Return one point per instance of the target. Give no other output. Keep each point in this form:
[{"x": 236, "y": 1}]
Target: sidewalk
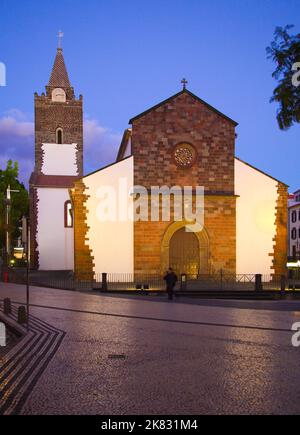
[{"x": 177, "y": 358}]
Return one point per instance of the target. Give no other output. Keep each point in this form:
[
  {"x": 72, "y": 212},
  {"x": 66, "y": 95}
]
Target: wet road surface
[{"x": 131, "y": 356}]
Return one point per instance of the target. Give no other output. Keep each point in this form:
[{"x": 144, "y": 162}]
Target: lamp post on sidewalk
[
  {"x": 7, "y": 203},
  {"x": 27, "y": 271},
  {"x": 25, "y": 234},
  {"x": 26, "y": 241}
]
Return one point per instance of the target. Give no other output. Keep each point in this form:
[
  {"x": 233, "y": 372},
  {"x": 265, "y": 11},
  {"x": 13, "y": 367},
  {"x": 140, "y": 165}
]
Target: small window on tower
[
  {"x": 68, "y": 215},
  {"x": 59, "y": 136}
]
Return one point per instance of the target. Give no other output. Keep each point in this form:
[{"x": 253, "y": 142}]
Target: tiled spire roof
[{"x": 59, "y": 76}]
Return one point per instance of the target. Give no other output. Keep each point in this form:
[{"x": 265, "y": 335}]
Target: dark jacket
[{"x": 171, "y": 279}]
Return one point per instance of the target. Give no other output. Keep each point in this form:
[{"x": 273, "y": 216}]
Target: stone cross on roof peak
[
  {"x": 60, "y": 37},
  {"x": 184, "y": 82}
]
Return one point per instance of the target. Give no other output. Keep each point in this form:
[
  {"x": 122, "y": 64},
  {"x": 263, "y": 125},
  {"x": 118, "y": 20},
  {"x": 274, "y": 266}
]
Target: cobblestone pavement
[
  {"x": 24, "y": 362},
  {"x": 130, "y": 356},
  {"x": 272, "y": 305}
]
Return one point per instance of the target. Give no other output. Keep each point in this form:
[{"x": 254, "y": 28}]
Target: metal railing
[
  {"x": 135, "y": 281},
  {"x": 218, "y": 281},
  {"x": 151, "y": 282}
]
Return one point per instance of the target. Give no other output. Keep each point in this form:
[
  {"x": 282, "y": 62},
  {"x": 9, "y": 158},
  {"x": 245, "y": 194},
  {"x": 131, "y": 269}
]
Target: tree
[
  {"x": 19, "y": 201},
  {"x": 285, "y": 52}
]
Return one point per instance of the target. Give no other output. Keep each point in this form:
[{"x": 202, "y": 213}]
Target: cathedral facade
[{"x": 183, "y": 142}]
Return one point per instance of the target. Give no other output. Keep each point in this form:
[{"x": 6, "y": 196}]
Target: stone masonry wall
[
  {"x": 184, "y": 119},
  {"x": 83, "y": 261},
  {"x": 281, "y": 238},
  {"x": 154, "y": 137},
  {"x": 51, "y": 115},
  {"x": 220, "y": 226}
]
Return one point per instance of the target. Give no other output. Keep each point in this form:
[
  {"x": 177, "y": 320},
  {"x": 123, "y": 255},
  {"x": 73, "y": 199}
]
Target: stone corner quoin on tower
[{"x": 182, "y": 141}]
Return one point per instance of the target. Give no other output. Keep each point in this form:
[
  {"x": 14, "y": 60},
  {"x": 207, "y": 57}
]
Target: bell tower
[{"x": 58, "y": 163}]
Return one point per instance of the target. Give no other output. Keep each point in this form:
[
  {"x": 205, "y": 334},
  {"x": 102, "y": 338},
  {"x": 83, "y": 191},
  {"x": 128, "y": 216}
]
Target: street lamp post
[
  {"x": 27, "y": 271},
  {"x": 26, "y": 242},
  {"x": 8, "y": 250},
  {"x": 7, "y": 238},
  {"x": 7, "y": 221}
]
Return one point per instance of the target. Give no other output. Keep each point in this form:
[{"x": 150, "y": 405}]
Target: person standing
[{"x": 171, "y": 280}]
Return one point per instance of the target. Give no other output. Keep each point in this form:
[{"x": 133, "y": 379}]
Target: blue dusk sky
[{"x": 125, "y": 56}]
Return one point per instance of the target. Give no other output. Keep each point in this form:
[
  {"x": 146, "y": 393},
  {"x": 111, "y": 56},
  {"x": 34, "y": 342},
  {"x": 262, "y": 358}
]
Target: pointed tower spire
[{"x": 59, "y": 75}]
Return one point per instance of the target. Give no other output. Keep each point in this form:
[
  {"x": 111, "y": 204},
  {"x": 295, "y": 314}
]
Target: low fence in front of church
[
  {"x": 214, "y": 282},
  {"x": 152, "y": 282}
]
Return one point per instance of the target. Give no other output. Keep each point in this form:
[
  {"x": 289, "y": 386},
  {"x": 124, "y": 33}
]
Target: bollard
[
  {"x": 22, "y": 315},
  {"x": 258, "y": 283},
  {"x": 104, "y": 282},
  {"x": 7, "y": 306},
  {"x": 183, "y": 282}
]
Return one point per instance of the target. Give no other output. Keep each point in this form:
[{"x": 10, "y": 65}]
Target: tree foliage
[
  {"x": 19, "y": 201},
  {"x": 285, "y": 52}
]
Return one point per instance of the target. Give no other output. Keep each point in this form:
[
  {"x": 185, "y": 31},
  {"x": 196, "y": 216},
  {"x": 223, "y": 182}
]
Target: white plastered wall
[
  {"x": 111, "y": 241},
  {"x": 55, "y": 242},
  {"x": 59, "y": 159},
  {"x": 256, "y": 214}
]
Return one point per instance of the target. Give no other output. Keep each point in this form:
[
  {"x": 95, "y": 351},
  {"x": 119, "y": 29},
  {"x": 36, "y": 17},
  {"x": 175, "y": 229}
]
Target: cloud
[
  {"x": 17, "y": 143},
  {"x": 101, "y": 145}
]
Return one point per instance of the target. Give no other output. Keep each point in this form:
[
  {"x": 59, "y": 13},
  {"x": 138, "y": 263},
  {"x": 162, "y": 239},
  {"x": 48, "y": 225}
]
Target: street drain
[{"x": 118, "y": 357}]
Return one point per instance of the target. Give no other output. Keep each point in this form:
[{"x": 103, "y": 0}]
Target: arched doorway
[
  {"x": 185, "y": 253},
  {"x": 171, "y": 248}
]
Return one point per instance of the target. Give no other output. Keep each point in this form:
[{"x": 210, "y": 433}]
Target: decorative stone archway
[{"x": 203, "y": 240}]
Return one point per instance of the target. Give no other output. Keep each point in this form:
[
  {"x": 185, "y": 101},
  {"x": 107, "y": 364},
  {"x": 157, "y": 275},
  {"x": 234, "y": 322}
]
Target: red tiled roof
[{"x": 52, "y": 180}]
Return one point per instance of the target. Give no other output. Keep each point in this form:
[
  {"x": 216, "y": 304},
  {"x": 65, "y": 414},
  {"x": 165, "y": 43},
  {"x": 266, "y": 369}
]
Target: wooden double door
[{"x": 185, "y": 253}]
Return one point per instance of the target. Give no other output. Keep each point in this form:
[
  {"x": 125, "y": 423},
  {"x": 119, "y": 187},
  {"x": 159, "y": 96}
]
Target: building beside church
[
  {"x": 182, "y": 141},
  {"x": 294, "y": 225}
]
